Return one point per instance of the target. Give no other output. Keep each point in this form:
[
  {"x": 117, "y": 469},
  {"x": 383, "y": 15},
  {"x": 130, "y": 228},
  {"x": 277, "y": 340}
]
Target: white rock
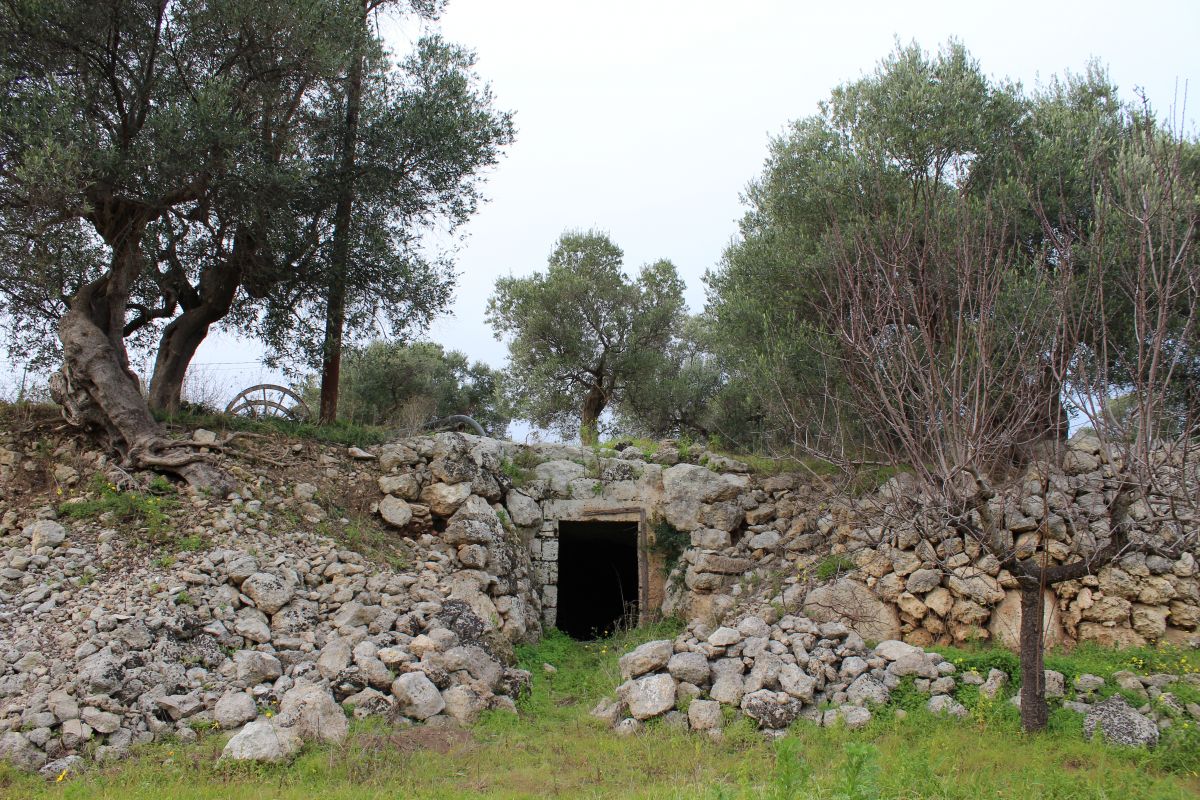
[
  {"x": 262, "y": 741},
  {"x": 648, "y": 657},
  {"x": 235, "y": 708},
  {"x": 649, "y": 696},
  {"x": 417, "y": 696},
  {"x": 395, "y": 512},
  {"x": 705, "y": 715},
  {"x": 312, "y": 713},
  {"x": 45, "y": 533}
]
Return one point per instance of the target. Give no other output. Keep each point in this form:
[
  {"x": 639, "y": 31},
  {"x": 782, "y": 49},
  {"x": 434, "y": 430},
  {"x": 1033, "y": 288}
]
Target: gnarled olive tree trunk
[{"x": 96, "y": 388}]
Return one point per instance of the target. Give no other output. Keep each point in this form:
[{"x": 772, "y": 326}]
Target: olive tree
[
  {"x": 113, "y": 116},
  {"x": 582, "y": 332}
]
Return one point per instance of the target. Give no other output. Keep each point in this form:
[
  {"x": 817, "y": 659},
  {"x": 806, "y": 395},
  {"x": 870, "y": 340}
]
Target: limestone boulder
[
  {"x": 312, "y": 713},
  {"x": 474, "y": 522},
  {"x": 45, "y": 533},
  {"x": 648, "y": 657},
  {"x": 523, "y": 509},
  {"x": 649, "y": 696},
  {"x": 690, "y": 667},
  {"x": 771, "y": 710},
  {"x": 690, "y": 483},
  {"x": 395, "y": 512},
  {"x": 1005, "y": 623},
  {"x": 262, "y": 741},
  {"x": 851, "y": 603},
  {"x": 269, "y": 591},
  {"x": 234, "y": 709},
  {"x": 705, "y": 715},
  {"x": 976, "y": 585},
  {"x": 1119, "y": 724},
  {"x": 443, "y": 499},
  {"x": 417, "y": 696}
]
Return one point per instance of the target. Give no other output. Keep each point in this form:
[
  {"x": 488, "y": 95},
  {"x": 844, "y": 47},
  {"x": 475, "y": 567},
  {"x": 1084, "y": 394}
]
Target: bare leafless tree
[{"x": 954, "y": 341}]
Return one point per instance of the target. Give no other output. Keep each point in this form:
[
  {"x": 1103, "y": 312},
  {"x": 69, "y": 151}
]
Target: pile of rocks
[
  {"x": 775, "y": 673},
  {"x": 793, "y": 669},
  {"x": 245, "y": 618}
]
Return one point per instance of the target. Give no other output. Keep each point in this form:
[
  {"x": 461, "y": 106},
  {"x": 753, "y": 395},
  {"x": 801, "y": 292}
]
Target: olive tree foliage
[
  {"x": 428, "y": 130},
  {"x": 582, "y": 334},
  {"x": 693, "y": 392},
  {"x": 906, "y": 151},
  {"x": 407, "y": 385}
]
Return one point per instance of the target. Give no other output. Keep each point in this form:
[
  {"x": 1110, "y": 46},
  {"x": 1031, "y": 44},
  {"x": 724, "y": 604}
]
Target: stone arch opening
[{"x": 598, "y": 577}]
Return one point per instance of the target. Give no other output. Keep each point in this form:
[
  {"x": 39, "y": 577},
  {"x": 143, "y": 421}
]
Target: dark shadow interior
[{"x": 597, "y": 577}]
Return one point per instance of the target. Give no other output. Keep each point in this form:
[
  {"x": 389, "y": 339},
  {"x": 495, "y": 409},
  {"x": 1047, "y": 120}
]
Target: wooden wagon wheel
[{"x": 269, "y": 400}]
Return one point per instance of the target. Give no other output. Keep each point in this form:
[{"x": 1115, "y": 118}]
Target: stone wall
[{"x": 754, "y": 535}]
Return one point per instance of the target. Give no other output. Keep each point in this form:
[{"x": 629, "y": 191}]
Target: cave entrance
[{"x": 598, "y": 586}]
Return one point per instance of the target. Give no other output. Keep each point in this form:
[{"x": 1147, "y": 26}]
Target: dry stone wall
[{"x": 781, "y": 536}]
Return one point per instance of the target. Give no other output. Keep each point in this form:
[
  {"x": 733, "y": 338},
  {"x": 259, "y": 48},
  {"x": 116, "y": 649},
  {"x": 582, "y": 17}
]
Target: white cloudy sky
[{"x": 647, "y": 118}]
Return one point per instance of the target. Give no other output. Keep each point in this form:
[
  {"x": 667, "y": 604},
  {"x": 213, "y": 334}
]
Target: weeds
[
  {"x": 146, "y": 513},
  {"x": 669, "y": 542}
]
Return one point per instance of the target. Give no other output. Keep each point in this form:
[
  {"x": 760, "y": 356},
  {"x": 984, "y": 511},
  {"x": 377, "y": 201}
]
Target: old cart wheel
[{"x": 269, "y": 400}]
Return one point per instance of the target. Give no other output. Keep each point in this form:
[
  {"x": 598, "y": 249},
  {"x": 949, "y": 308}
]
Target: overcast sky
[{"x": 646, "y": 119}]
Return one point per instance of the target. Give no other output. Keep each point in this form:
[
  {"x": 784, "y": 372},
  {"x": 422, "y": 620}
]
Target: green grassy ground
[{"x": 554, "y": 749}]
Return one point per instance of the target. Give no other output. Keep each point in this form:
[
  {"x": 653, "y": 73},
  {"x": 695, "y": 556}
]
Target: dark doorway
[{"x": 597, "y": 577}]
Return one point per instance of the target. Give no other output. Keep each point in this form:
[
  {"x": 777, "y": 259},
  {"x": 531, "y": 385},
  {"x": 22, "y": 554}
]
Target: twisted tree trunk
[
  {"x": 184, "y": 334},
  {"x": 593, "y": 405},
  {"x": 96, "y": 388}
]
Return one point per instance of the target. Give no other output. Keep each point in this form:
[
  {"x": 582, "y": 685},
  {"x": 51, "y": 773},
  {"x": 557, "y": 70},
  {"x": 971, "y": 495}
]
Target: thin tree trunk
[
  {"x": 593, "y": 406},
  {"x": 1033, "y": 677},
  {"x": 335, "y": 298},
  {"x": 184, "y": 334}
]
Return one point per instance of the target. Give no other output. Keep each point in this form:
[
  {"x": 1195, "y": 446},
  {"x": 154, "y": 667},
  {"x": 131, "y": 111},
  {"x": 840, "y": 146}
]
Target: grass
[
  {"x": 833, "y": 565},
  {"x": 553, "y": 748},
  {"x": 341, "y": 432}
]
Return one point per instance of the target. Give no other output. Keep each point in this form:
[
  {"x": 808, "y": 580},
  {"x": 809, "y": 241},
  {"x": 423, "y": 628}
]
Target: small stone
[
  {"x": 690, "y": 667},
  {"x": 648, "y": 657},
  {"x": 705, "y": 715},
  {"x": 254, "y": 667},
  {"x": 269, "y": 592},
  {"x": 945, "y": 704},
  {"x": 1055, "y": 684},
  {"x": 395, "y": 512},
  {"x": 204, "y": 436},
  {"x": 177, "y": 706},
  {"x": 45, "y": 533},
  {"x": 648, "y": 696},
  {"x": 313, "y": 714},
  {"x": 991, "y": 687},
  {"x": 724, "y": 637},
  {"x": 101, "y": 721}
]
